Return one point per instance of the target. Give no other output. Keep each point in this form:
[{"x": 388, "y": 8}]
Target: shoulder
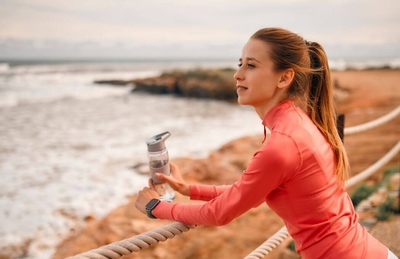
[
  {"x": 295, "y": 129},
  {"x": 281, "y": 150},
  {"x": 281, "y": 144}
]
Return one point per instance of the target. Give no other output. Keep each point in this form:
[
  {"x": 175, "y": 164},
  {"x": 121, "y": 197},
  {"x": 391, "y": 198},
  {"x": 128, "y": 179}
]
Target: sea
[{"x": 69, "y": 147}]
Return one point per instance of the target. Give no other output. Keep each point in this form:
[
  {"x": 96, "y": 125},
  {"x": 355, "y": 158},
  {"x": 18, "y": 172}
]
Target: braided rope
[
  {"x": 152, "y": 237},
  {"x": 372, "y": 124},
  {"x": 282, "y": 234},
  {"x": 135, "y": 243},
  {"x": 269, "y": 245},
  {"x": 374, "y": 167}
]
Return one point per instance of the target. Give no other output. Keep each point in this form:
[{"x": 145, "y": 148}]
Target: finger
[
  {"x": 160, "y": 176},
  {"x": 151, "y": 185},
  {"x": 166, "y": 178}
]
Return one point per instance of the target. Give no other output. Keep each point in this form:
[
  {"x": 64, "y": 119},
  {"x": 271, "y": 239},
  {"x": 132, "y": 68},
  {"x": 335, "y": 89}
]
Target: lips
[{"x": 241, "y": 88}]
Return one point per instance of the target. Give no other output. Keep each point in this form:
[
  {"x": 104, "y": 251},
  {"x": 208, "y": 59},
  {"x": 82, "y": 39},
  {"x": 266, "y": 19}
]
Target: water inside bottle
[
  {"x": 158, "y": 163},
  {"x": 165, "y": 191}
]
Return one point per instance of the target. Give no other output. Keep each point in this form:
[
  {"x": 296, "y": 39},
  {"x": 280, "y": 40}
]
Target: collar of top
[{"x": 270, "y": 117}]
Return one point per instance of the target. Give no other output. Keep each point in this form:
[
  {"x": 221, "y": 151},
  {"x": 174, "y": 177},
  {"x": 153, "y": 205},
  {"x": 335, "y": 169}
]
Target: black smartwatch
[{"x": 151, "y": 206}]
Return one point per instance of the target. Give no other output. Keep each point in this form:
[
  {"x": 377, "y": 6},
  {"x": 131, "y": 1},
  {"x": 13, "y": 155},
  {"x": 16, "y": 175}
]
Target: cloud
[{"x": 189, "y": 26}]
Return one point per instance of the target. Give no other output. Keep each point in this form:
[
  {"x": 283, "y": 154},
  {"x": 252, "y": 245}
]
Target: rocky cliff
[{"x": 199, "y": 83}]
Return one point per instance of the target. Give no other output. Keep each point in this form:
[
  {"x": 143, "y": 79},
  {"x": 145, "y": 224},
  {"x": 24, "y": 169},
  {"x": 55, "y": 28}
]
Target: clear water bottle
[{"x": 159, "y": 163}]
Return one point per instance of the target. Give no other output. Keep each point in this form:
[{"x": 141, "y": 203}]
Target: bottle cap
[{"x": 157, "y": 142}]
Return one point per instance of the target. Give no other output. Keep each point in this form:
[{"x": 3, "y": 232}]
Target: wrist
[{"x": 185, "y": 190}]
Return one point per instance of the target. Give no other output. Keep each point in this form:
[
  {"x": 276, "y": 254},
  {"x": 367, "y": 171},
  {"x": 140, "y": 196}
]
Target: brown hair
[{"x": 311, "y": 86}]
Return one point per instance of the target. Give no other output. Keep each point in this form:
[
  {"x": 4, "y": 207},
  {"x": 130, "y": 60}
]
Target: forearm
[
  {"x": 211, "y": 213},
  {"x": 216, "y": 212},
  {"x": 206, "y": 192}
]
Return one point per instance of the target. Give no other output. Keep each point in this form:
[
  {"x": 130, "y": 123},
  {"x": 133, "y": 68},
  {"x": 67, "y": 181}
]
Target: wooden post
[{"x": 340, "y": 126}]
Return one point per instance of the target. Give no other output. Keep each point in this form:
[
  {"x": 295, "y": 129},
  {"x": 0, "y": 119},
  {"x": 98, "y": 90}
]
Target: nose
[{"x": 238, "y": 74}]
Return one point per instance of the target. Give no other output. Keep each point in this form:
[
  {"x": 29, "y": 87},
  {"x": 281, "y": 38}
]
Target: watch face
[
  {"x": 150, "y": 206},
  {"x": 152, "y": 203}
]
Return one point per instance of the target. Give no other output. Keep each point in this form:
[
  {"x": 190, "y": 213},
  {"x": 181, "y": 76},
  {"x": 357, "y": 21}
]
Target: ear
[{"x": 286, "y": 78}]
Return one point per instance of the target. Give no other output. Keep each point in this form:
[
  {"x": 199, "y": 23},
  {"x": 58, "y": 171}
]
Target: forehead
[{"x": 256, "y": 49}]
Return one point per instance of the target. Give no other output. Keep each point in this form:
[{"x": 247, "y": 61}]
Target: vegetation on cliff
[
  {"x": 199, "y": 83},
  {"x": 216, "y": 84}
]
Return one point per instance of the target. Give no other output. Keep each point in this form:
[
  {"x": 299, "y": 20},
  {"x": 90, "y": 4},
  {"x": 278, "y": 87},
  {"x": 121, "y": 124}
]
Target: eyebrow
[{"x": 250, "y": 59}]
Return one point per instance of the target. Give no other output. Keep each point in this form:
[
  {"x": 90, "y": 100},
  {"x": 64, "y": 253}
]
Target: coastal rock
[
  {"x": 115, "y": 82},
  {"x": 216, "y": 84},
  {"x": 164, "y": 84}
]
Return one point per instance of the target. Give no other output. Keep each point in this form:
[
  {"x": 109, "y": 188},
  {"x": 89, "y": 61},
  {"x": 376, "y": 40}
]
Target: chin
[{"x": 242, "y": 101}]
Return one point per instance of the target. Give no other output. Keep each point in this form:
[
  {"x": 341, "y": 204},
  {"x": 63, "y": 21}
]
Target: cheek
[{"x": 266, "y": 86}]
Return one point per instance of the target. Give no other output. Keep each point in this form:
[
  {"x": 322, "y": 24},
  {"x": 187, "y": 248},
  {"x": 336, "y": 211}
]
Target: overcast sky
[{"x": 191, "y": 28}]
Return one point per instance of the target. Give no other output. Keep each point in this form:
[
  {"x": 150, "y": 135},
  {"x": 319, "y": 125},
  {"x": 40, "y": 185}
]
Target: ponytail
[
  {"x": 321, "y": 107},
  {"x": 311, "y": 87}
]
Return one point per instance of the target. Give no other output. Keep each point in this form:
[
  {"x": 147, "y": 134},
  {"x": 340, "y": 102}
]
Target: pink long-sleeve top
[{"x": 294, "y": 173}]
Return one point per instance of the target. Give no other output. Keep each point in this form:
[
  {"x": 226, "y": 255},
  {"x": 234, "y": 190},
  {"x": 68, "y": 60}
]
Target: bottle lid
[{"x": 157, "y": 142}]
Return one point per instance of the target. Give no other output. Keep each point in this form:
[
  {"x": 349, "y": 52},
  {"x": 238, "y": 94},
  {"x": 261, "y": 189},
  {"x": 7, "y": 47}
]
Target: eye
[
  {"x": 250, "y": 65},
  {"x": 240, "y": 65}
]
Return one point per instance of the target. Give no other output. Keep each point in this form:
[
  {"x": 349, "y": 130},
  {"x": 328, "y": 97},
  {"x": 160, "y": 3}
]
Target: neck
[{"x": 263, "y": 109}]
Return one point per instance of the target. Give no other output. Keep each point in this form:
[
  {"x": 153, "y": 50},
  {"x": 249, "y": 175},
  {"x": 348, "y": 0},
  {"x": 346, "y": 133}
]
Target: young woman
[{"x": 300, "y": 171}]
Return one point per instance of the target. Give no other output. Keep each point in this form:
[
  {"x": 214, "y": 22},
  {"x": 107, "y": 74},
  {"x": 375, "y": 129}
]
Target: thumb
[{"x": 165, "y": 178}]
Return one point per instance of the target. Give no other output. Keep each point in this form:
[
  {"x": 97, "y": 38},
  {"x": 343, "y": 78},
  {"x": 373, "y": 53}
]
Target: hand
[
  {"x": 175, "y": 180},
  {"x": 144, "y": 196}
]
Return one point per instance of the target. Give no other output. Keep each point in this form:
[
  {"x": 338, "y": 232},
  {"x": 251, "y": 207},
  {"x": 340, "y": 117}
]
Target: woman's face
[{"x": 256, "y": 78}]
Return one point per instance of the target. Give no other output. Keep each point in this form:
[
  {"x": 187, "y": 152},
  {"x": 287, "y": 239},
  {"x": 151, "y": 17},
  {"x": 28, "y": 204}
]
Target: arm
[
  {"x": 206, "y": 192},
  {"x": 268, "y": 169}
]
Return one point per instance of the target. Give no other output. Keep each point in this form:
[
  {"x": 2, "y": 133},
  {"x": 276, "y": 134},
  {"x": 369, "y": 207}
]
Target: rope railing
[
  {"x": 374, "y": 167},
  {"x": 374, "y": 123},
  {"x": 271, "y": 242},
  {"x": 136, "y": 243}
]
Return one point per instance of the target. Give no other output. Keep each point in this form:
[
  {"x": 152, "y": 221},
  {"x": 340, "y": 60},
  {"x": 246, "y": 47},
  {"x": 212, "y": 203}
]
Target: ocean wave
[
  {"x": 43, "y": 67},
  {"x": 13, "y": 100},
  {"x": 8, "y": 101},
  {"x": 74, "y": 68},
  {"x": 4, "y": 67},
  {"x": 28, "y": 88}
]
